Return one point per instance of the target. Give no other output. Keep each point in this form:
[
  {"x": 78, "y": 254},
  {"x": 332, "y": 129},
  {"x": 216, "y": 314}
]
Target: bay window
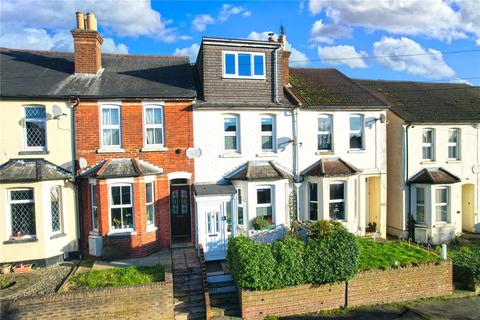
[
  {"x": 420, "y": 205},
  {"x": 150, "y": 206},
  {"x": 240, "y": 207},
  {"x": 313, "y": 200},
  {"x": 264, "y": 203},
  {"x": 121, "y": 207},
  {"x": 110, "y": 126},
  {"x": 337, "y": 200},
  {"x": 22, "y": 212},
  {"x": 324, "y": 134},
  {"x": 93, "y": 197},
  {"x": 56, "y": 209},
  {"x": 442, "y": 204}
]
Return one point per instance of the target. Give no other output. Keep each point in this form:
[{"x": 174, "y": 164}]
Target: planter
[
  {"x": 5, "y": 269},
  {"x": 20, "y": 268}
]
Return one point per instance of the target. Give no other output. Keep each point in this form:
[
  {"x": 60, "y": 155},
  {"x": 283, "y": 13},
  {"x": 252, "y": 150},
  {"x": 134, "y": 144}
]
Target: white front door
[{"x": 216, "y": 227}]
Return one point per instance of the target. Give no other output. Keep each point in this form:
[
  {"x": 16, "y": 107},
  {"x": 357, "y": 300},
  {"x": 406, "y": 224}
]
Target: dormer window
[{"x": 243, "y": 65}]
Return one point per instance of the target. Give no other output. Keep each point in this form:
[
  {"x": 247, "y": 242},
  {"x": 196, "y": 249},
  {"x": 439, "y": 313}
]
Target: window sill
[
  {"x": 151, "y": 228},
  {"x": 122, "y": 233},
  {"x": 58, "y": 235},
  {"x": 33, "y": 152},
  {"x": 94, "y": 233},
  {"x": 153, "y": 149},
  {"x": 357, "y": 151},
  {"x": 428, "y": 162},
  {"x": 453, "y": 161},
  {"x": 421, "y": 225},
  {"x": 266, "y": 154},
  {"x": 28, "y": 240},
  {"x": 324, "y": 153},
  {"x": 112, "y": 150},
  {"x": 233, "y": 77},
  {"x": 230, "y": 155}
]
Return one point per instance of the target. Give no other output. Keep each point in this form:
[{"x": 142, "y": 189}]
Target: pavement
[
  {"x": 434, "y": 309},
  {"x": 162, "y": 257}
]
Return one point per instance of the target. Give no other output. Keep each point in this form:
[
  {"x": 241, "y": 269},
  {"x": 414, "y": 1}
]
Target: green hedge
[
  {"x": 329, "y": 255},
  {"x": 466, "y": 257}
]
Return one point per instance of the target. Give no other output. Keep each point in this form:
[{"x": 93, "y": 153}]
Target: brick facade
[
  {"x": 366, "y": 288},
  {"x": 178, "y": 137},
  {"x": 88, "y": 55}
]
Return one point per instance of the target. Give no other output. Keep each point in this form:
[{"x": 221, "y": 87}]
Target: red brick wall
[
  {"x": 178, "y": 137},
  {"x": 88, "y": 55},
  {"x": 366, "y": 288}
]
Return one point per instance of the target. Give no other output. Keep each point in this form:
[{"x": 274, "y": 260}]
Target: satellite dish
[
  {"x": 82, "y": 163},
  {"x": 57, "y": 112},
  {"x": 193, "y": 153}
]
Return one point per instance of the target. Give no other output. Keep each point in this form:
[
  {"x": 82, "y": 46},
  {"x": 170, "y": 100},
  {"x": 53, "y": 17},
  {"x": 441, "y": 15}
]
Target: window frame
[
  {"x": 94, "y": 205},
  {"x": 265, "y": 205},
  {"x": 152, "y": 203},
  {"x": 240, "y": 205},
  {"x": 153, "y": 126},
  {"x": 109, "y": 126},
  {"x": 25, "y": 140},
  {"x": 417, "y": 189},
  {"x": 310, "y": 201},
  {"x": 252, "y": 63},
  {"x": 362, "y": 131},
  {"x": 455, "y": 144},
  {"x": 344, "y": 200},
  {"x": 60, "y": 207},
  {"x": 9, "y": 213},
  {"x": 272, "y": 134},
  {"x": 121, "y": 206},
  {"x": 430, "y": 145},
  {"x": 330, "y": 118},
  {"x": 235, "y": 134},
  {"x": 442, "y": 204}
]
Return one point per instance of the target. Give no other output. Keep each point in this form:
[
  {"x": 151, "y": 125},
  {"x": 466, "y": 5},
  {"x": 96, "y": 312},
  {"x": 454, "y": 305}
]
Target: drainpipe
[
  {"x": 74, "y": 157},
  {"x": 275, "y": 78},
  {"x": 295, "y": 161},
  {"x": 411, "y": 232}
]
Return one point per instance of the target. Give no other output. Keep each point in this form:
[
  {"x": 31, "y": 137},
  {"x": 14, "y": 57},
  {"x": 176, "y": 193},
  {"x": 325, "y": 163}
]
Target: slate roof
[
  {"x": 34, "y": 169},
  {"x": 41, "y": 74},
  {"x": 330, "y": 88},
  {"x": 330, "y": 167},
  {"x": 203, "y": 189},
  {"x": 260, "y": 170},
  {"x": 422, "y": 102},
  {"x": 434, "y": 176},
  {"x": 122, "y": 167}
]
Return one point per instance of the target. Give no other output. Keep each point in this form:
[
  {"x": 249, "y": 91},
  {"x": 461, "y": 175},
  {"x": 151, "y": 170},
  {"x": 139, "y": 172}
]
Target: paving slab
[{"x": 162, "y": 257}]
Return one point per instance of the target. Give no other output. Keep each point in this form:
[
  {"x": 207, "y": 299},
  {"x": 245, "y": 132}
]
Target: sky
[{"x": 421, "y": 40}]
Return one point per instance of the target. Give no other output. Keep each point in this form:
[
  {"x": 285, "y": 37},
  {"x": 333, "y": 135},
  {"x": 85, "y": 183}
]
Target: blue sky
[{"x": 381, "y": 39}]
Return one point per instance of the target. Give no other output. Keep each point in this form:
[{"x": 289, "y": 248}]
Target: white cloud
[
  {"x": 326, "y": 33},
  {"x": 201, "y": 21},
  {"x": 59, "y": 40},
  {"x": 229, "y": 10},
  {"x": 124, "y": 18},
  {"x": 347, "y": 55},
  {"x": 297, "y": 58},
  {"x": 460, "y": 80},
  {"x": 191, "y": 51},
  {"x": 439, "y": 19},
  {"x": 404, "y": 54}
]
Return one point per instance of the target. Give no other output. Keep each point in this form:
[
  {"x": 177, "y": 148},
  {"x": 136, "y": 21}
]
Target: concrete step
[
  {"x": 196, "y": 298},
  {"x": 190, "y": 307},
  {"x": 222, "y": 287},
  {"x": 213, "y": 278},
  {"x": 220, "y": 300}
]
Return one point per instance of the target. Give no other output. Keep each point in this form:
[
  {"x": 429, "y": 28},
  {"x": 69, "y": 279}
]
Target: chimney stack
[
  {"x": 87, "y": 43},
  {"x": 285, "y": 56}
]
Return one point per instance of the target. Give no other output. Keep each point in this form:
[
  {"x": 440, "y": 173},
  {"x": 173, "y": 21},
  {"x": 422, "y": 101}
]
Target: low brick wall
[
  {"x": 153, "y": 301},
  {"x": 366, "y": 288}
]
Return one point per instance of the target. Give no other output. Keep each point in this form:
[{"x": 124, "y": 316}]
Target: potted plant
[
  {"x": 5, "y": 268},
  {"x": 260, "y": 223},
  {"x": 22, "y": 267}
]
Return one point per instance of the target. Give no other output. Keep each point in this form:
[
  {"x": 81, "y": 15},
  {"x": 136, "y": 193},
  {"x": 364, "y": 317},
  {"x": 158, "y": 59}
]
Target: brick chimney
[
  {"x": 88, "y": 43},
  {"x": 285, "y": 56}
]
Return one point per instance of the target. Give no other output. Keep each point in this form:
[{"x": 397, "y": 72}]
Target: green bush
[
  {"x": 289, "y": 255},
  {"x": 467, "y": 257},
  {"x": 331, "y": 254},
  {"x": 260, "y": 223}
]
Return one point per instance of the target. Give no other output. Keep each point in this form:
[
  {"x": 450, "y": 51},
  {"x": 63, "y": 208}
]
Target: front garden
[{"x": 465, "y": 255}]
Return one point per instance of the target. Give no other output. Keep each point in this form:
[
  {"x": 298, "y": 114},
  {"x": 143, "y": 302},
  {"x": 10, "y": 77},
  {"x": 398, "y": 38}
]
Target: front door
[
  {"x": 180, "y": 212},
  {"x": 468, "y": 213},
  {"x": 216, "y": 227}
]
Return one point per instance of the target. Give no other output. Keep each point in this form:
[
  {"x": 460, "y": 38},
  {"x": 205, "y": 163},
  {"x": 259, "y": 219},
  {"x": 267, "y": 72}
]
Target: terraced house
[{"x": 433, "y": 158}]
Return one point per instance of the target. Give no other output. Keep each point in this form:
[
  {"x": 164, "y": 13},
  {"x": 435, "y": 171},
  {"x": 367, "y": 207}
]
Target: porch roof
[
  {"x": 330, "y": 167},
  {"x": 213, "y": 189},
  {"x": 33, "y": 169},
  {"x": 121, "y": 168},
  {"x": 434, "y": 176},
  {"x": 260, "y": 170}
]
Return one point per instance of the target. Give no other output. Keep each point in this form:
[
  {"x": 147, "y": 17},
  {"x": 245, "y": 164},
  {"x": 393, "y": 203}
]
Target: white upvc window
[
  {"x": 56, "y": 209},
  {"x": 454, "y": 144},
  {"x": 150, "y": 203},
  {"x": 153, "y": 125},
  {"x": 337, "y": 200},
  {"x": 22, "y": 213},
  {"x": 35, "y": 128},
  {"x": 420, "y": 205},
  {"x": 240, "y": 207},
  {"x": 313, "y": 201},
  {"x": 94, "y": 204},
  {"x": 121, "y": 207},
  {"x": 243, "y": 65},
  {"x": 110, "y": 126},
  {"x": 267, "y": 134},
  {"x": 442, "y": 207},
  {"x": 265, "y": 202},
  {"x": 428, "y": 138},
  {"x": 231, "y": 134},
  {"x": 324, "y": 134},
  {"x": 356, "y": 132}
]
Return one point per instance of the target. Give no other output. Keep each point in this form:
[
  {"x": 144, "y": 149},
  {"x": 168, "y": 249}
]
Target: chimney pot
[
  {"x": 91, "y": 21},
  {"x": 80, "y": 20}
]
